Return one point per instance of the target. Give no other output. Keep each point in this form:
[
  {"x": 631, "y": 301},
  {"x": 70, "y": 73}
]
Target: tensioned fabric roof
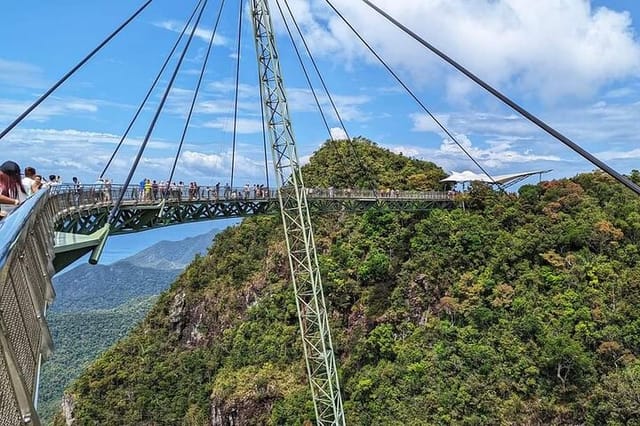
[{"x": 469, "y": 176}]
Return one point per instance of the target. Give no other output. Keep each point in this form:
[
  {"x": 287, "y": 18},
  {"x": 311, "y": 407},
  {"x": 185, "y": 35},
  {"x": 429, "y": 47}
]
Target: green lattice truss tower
[{"x": 303, "y": 260}]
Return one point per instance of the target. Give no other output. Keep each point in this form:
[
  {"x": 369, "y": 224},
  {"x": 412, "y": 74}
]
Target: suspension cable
[
  {"x": 196, "y": 92},
  {"x": 315, "y": 65},
  {"x": 237, "y": 90},
  {"x": 433, "y": 117},
  {"x": 368, "y": 173},
  {"x": 149, "y": 92},
  {"x": 304, "y": 69},
  {"x": 72, "y": 71},
  {"x": 264, "y": 133},
  {"x": 116, "y": 207},
  {"x": 526, "y": 114}
]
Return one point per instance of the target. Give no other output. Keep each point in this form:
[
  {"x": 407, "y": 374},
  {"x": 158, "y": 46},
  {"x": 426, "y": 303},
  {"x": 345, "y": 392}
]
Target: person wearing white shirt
[{"x": 29, "y": 181}]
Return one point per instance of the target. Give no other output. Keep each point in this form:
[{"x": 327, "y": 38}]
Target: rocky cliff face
[{"x": 67, "y": 410}]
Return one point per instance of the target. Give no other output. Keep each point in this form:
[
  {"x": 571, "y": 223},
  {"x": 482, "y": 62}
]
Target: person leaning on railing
[{"x": 12, "y": 193}]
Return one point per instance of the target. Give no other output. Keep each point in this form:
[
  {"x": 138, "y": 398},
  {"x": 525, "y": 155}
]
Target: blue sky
[{"x": 574, "y": 63}]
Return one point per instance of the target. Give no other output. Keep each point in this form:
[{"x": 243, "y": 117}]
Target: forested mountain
[
  {"x": 144, "y": 274},
  {"x": 98, "y": 304},
  {"x": 518, "y": 309}
]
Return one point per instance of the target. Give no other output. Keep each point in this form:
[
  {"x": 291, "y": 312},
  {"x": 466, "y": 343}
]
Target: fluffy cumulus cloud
[
  {"x": 208, "y": 168},
  {"x": 338, "y": 133},
  {"x": 207, "y": 162},
  {"x": 550, "y": 48},
  {"x": 80, "y": 153},
  {"x": 498, "y": 157}
]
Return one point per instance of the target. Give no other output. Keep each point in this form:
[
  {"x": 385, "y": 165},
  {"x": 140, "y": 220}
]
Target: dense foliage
[
  {"x": 96, "y": 305},
  {"x": 80, "y": 336},
  {"x": 517, "y": 309},
  {"x": 362, "y": 164}
]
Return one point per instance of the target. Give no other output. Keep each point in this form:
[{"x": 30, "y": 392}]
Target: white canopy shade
[{"x": 469, "y": 176}]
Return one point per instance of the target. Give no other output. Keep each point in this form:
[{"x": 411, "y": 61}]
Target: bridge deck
[{"x": 85, "y": 211}]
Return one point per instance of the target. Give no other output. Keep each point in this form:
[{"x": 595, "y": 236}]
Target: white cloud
[
  {"x": 54, "y": 107},
  {"x": 424, "y": 122},
  {"x": 550, "y": 48},
  {"x": 619, "y": 155},
  {"x": 201, "y": 33},
  {"x": 20, "y": 74},
  {"x": 73, "y": 152},
  {"x": 338, "y": 133},
  {"x": 226, "y": 87},
  {"x": 495, "y": 156},
  {"x": 210, "y": 162},
  {"x": 350, "y": 107},
  {"x": 220, "y": 106},
  {"x": 67, "y": 136},
  {"x": 485, "y": 124},
  {"x": 215, "y": 98},
  {"x": 243, "y": 125},
  {"x": 499, "y": 157},
  {"x": 209, "y": 168}
]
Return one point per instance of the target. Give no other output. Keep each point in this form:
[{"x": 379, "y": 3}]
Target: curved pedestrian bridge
[{"x": 85, "y": 210}]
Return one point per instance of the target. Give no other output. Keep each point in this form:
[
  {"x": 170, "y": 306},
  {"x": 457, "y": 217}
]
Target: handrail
[
  {"x": 26, "y": 270},
  {"x": 14, "y": 225},
  {"x": 97, "y": 193}
]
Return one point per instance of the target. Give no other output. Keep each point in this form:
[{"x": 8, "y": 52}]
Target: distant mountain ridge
[
  {"x": 171, "y": 255},
  {"x": 96, "y": 305},
  {"x": 144, "y": 274}
]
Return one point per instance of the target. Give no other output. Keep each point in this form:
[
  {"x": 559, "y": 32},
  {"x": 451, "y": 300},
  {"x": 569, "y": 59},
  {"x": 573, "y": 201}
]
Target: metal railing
[
  {"x": 69, "y": 196},
  {"x": 26, "y": 269}
]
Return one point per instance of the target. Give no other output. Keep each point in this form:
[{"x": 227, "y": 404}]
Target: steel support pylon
[{"x": 296, "y": 220}]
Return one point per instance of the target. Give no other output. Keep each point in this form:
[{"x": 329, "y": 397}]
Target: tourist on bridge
[
  {"x": 141, "y": 189},
  {"x": 107, "y": 190},
  {"x": 39, "y": 183},
  {"x": 29, "y": 181},
  {"x": 180, "y": 190},
  {"x": 12, "y": 192},
  {"x": 193, "y": 191},
  {"x": 77, "y": 190},
  {"x": 97, "y": 189},
  {"x": 52, "y": 180},
  {"x": 147, "y": 190}
]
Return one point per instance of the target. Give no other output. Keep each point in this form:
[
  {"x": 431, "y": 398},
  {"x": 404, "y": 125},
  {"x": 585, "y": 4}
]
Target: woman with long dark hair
[{"x": 12, "y": 192}]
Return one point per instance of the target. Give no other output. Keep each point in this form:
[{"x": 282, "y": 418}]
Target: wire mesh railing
[
  {"x": 26, "y": 269},
  {"x": 67, "y": 196}
]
